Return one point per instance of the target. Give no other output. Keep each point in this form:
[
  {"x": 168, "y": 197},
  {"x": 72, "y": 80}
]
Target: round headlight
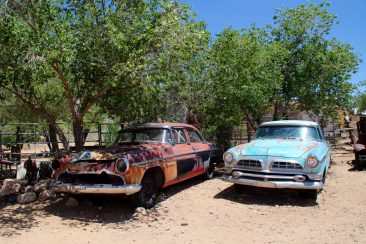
[
  {"x": 228, "y": 157},
  {"x": 122, "y": 165},
  {"x": 312, "y": 162}
]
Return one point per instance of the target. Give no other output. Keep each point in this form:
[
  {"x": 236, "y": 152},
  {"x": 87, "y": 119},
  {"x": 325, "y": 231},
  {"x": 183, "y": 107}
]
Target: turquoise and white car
[{"x": 284, "y": 154}]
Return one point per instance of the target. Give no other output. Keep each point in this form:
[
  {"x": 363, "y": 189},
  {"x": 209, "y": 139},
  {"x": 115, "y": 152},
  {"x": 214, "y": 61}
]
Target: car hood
[
  {"x": 288, "y": 148},
  {"x": 134, "y": 153}
]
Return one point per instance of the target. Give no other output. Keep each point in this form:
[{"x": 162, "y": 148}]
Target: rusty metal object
[
  {"x": 360, "y": 147},
  {"x": 168, "y": 152}
]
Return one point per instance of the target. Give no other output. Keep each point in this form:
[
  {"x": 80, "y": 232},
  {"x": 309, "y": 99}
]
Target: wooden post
[
  {"x": 100, "y": 138},
  {"x": 1, "y": 144},
  {"x": 334, "y": 135},
  {"x": 249, "y": 131}
]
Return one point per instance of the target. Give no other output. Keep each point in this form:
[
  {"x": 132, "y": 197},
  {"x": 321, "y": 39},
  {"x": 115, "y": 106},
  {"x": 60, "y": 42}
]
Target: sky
[{"x": 239, "y": 14}]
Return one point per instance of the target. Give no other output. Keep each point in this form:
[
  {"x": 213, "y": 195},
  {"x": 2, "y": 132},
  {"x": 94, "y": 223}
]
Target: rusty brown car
[{"x": 143, "y": 160}]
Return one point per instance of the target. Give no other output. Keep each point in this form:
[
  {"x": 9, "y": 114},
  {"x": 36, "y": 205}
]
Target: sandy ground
[{"x": 198, "y": 211}]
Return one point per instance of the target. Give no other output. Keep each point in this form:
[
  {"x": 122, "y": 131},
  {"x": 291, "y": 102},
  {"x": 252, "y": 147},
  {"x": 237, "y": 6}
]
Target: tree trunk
[
  {"x": 16, "y": 149},
  {"x": 275, "y": 111},
  {"x": 60, "y": 134},
  {"x": 77, "y": 128},
  {"x": 52, "y": 139}
]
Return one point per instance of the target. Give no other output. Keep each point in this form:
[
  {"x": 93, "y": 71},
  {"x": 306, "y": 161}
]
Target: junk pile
[
  {"x": 19, "y": 191},
  {"x": 360, "y": 147}
]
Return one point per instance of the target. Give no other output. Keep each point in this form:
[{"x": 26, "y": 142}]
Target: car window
[
  {"x": 142, "y": 135},
  {"x": 194, "y": 136},
  {"x": 288, "y": 131},
  {"x": 179, "y": 136}
]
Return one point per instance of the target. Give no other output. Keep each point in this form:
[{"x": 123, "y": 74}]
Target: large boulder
[
  {"x": 27, "y": 197},
  {"x": 29, "y": 188},
  {"x": 45, "y": 195},
  {"x": 41, "y": 186},
  {"x": 9, "y": 187}
]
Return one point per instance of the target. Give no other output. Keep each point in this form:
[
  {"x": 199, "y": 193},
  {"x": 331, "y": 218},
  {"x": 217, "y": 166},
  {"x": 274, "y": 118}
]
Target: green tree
[
  {"x": 243, "y": 76},
  {"x": 317, "y": 68},
  {"x": 92, "y": 49}
]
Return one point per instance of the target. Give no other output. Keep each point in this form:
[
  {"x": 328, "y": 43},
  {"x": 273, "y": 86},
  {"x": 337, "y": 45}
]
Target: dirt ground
[{"x": 198, "y": 211}]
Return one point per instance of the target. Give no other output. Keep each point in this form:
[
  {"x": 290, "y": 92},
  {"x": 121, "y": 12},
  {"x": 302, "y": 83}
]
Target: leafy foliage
[{"x": 86, "y": 50}]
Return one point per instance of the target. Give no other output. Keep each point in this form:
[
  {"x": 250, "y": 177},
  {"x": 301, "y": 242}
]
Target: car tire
[
  {"x": 210, "y": 173},
  {"x": 148, "y": 194},
  {"x": 309, "y": 194}
]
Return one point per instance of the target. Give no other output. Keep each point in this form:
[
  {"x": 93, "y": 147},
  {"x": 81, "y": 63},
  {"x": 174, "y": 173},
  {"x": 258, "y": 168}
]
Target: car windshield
[
  {"x": 288, "y": 132},
  {"x": 144, "y": 135}
]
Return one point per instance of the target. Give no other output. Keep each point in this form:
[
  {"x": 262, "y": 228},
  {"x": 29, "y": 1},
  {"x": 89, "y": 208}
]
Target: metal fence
[
  {"x": 20, "y": 140},
  {"x": 31, "y": 138}
]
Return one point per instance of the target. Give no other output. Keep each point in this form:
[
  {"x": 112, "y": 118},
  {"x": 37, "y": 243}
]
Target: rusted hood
[
  {"x": 134, "y": 153},
  {"x": 288, "y": 148}
]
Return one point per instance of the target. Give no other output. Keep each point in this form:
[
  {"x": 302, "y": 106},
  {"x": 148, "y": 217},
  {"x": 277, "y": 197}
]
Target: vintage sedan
[
  {"x": 284, "y": 154},
  {"x": 143, "y": 160}
]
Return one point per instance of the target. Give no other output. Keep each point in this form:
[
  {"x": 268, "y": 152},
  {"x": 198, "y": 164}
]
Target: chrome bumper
[
  {"x": 268, "y": 183},
  {"x": 96, "y": 189}
]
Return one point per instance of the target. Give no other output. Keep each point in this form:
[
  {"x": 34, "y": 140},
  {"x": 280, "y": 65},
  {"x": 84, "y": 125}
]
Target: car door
[
  {"x": 203, "y": 152},
  {"x": 187, "y": 164}
]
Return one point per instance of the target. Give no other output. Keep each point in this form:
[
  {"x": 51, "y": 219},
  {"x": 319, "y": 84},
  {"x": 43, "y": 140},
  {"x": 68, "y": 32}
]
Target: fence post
[
  {"x": 1, "y": 144},
  {"x": 334, "y": 135},
  {"x": 100, "y": 142},
  {"x": 249, "y": 131}
]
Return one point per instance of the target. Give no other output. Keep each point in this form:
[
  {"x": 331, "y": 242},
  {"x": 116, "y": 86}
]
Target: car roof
[
  {"x": 166, "y": 125},
  {"x": 290, "y": 122}
]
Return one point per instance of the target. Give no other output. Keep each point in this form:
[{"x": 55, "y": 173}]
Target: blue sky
[{"x": 239, "y": 14}]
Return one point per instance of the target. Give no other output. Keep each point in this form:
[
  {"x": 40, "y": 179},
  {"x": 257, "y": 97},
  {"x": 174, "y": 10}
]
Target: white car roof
[{"x": 290, "y": 122}]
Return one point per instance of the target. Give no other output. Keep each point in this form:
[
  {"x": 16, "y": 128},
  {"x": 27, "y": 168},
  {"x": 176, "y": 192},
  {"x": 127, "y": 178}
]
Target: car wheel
[
  {"x": 210, "y": 173},
  {"x": 148, "y": 194},
  {"x": 309, "y": 194}
]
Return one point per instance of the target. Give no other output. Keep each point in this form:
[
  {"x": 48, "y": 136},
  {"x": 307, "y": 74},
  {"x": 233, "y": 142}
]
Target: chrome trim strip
[
  {"x": 269, "y": 171},
  {"x": 171, "y": 156},
  {"x": 237, "y": 174},
  {"x": 96, "y": 188},
  {"x": 311, "y": 185}
]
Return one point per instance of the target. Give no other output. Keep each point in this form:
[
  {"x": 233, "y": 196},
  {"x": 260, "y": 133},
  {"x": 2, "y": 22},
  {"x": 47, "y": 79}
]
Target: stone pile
[{"x": 19, "y": 191}]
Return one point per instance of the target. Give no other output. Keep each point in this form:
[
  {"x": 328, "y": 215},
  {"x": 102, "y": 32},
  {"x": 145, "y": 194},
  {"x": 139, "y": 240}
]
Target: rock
[
  {"x": 141, "y": 210},
  {"x": 9, "y": 187},
  {"x": 184, "y": 224},
  {"x": 71, "y": 202},
  {"x": 29, "y": 188},
  {"x": 27, "y": 197},
  {"x": 39, "y": 187},
  {"x": 45, "y": 195}
]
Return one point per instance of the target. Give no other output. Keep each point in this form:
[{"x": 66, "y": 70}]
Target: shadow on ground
[
  {"x": 16, "y": 219},
  {"x": 102, "y": 209},
  {"x": 265, "y": 196},
  {"x": 356, "y": 165}
]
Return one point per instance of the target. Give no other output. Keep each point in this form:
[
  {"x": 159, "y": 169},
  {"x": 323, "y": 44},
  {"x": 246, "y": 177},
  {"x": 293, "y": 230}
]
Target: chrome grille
[
  {"x": 286, "y": 165},
  {"x": 252, "y": 164}
]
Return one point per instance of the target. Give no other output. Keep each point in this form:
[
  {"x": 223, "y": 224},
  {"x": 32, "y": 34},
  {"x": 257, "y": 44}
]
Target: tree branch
[
  {"x": 18, "y": 6},
  {"x": 38, "y": 110},
  {"x": 60, "y": 74},
  {"x": 88, "y": 105}
]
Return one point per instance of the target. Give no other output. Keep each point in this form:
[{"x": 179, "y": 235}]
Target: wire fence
[{"x": 21, "y": 140}]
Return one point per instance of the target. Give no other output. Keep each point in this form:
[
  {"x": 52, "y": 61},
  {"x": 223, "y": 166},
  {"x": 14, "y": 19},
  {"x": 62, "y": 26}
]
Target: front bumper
[
  {"x": 96, "y": 188},
  {"x": 267, "y": 182}
]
